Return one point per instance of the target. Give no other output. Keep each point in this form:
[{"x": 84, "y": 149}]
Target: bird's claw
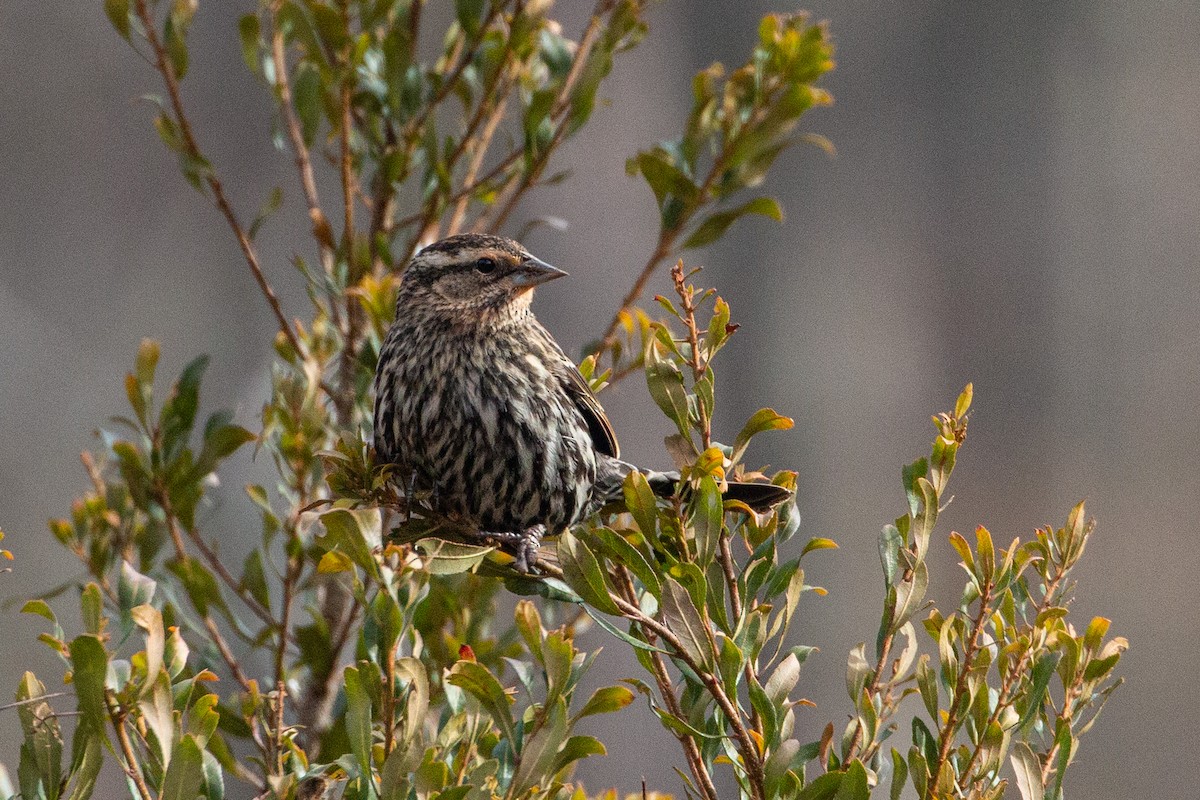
[{"x": 521, "y": 545}]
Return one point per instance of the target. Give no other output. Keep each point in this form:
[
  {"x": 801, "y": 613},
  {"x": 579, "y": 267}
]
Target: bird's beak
[{"x": 534, "y": 271}]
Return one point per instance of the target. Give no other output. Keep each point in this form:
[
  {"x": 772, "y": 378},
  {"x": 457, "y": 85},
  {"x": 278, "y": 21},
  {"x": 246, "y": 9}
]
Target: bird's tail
[{"x": 760, "y": 497}]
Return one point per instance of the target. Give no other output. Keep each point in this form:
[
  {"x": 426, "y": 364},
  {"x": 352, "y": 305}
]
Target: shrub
[{"x": 360, "y": 650}]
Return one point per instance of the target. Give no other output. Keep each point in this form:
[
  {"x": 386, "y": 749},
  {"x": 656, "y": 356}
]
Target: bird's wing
[{"x": 603, "y": 435}]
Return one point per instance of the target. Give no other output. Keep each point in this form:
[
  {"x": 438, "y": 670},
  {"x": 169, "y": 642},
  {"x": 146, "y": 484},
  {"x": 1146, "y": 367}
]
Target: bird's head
[{"x": 476, "y": 275}]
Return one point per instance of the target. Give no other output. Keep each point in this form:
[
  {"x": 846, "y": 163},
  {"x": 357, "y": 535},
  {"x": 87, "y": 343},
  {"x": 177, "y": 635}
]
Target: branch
[
  {"x": 970, "y": 648},
  {"x": 667, "y": 238},
  {"x": 303, "y": 159},
  {"x": 38, "y": 699},
  {"x": 666, "y": 243},
  {"x": 1008, "y": 682},
  {"x": 226, "y": 653},
  {"x": 691, "y": 750},
  {"x": 164, "y": 500},
  {"x": 561, "y": 105},
  {"x": 746, "y": 747},
  {"x": 163, "y": 65},
  {"x": 117, "y": 718},
  {"x": 344, "y": 400}
]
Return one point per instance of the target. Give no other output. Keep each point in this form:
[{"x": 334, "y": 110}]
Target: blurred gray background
[{"x": 1015, "y": 202}]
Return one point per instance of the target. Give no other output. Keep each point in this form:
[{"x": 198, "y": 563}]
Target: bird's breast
[{"x": 483, "y": 419}]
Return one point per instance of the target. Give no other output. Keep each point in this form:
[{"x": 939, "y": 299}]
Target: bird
[{"x": 476, "y": 403}]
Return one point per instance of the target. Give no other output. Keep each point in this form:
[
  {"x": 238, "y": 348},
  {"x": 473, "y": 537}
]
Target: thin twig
[
  {"x": 666, "y": 243},
  {"x": 214, "y": 561},
  {"x": 37, "y": 699},
  {"x": 479, "y": 147},
  {"x": 226, "y": 653},
  {"x": 1009, "y": 681},
  {"x": 131, "y": 768},
  {"x": 668, "y": 236},
  {"x": 691, "y": 750},
  {"x": 970, "y": 647},
  {"x": 164, "y": 499},
  {"x": 165, "y": 68},
  {"x": 746, "y": 747},
  {"x": 304, "y": 166},
  {"x": 560, "y": 108},
  {"x": 280, "y": 696},
  {"x": 344, "y": 400}
]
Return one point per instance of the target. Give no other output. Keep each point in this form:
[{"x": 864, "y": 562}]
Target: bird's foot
[{"x": 521, "y": 545}]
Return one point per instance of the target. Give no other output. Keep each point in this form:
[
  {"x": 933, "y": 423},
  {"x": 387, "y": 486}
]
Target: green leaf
[
  {"x": 89, "y": 668},
  {"x": 715, "y": 225},
  {"x": 468, "y": 12},
  {"x": 909, "y": 595},
  {"x": 899, "y": 774},
  {"x": 133, "y": 589},
  {"x": 475, "y": 679},
  {"x": 765, "y": 419},
  {"x": 146, "y": 364},
  {"x": 307, "y": 97},
  {"x": 854, "y": 786},
  {"x": 960, "y": 544},
  {"x": 539, "y": 751},
  {"x": 118, "y": 15},
  {"x": 665, "y": 383},
  {"x": 220, "y": 442},
  {"x": 254, "y": 579},
  {"x": 273, "y": 203},
  {"x": 92, "y": 607},
  {"x": 987, "y": 555},
  {"x": 927, "y": 685},
  {"x": 417, "y": 705},
  {"x": 179, "y": 411},
  {"x": 39, "y": 607},
  {"x": 858, "y": 672},
  {"x": 679, "y": 614},
  {"x": 818, "y": 543},
  {"x": 909, "y": 475},
  {"x": 709, "y": 520},
  {"x": 583, "y": 573},
  {"x": 358, "y": 533},
  {"x": 963, "y": 404},
  {"x": 156, "y": 705},
  {"x": 1039, "y": 681},
  {"x": 778, "y": 764},
  {"x": 175, "y": 39},
  {"x": 86, "y": 765},
  {"x": 641, "y": 502},
  {"x": 576, "y": 748},
  {"x": 605, "y": 701},
  {"x": 358, "y": 720},
  {"x": 248, "y": 28},
  {"x": 783, "y": 680},
  {"x": 203, "y": 718},
  {"x": 618, "y": 549},
  {"x": 42, "y": 736},
  {"x": 664, "y": 177},
  {"x": 1099, "y": 667},
  {"x": 148, "y": 619},
  {"x": 1028, "y": 770},
  {"x": 823, "y": 787},
  {"x": 200, "y": 585},
  {"x": 444, "y": 557},
  {"x": 185, "y": 774}
]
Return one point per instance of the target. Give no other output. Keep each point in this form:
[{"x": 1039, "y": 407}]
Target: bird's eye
[{"x": 485, "y": 265}]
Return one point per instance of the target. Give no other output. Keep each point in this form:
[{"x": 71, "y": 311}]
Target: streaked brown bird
[{"x": 479, "y": 405}]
